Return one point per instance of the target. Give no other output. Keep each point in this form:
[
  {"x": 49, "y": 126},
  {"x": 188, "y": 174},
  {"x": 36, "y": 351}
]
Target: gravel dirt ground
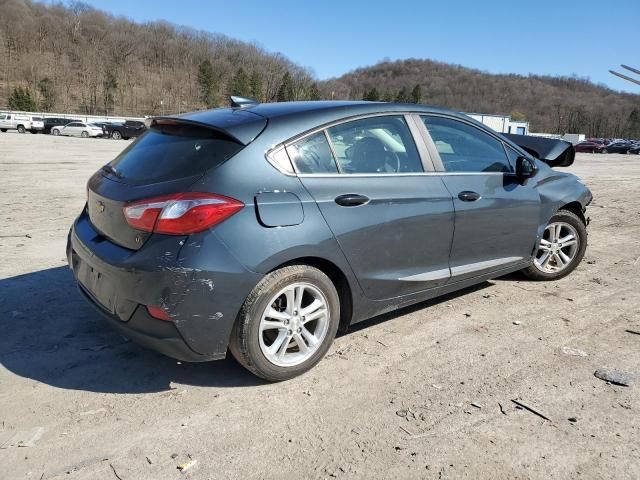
[{"x": 424, "y": 393}]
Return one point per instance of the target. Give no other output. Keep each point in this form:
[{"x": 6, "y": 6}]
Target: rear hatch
[{"x": 170, "y": 157}]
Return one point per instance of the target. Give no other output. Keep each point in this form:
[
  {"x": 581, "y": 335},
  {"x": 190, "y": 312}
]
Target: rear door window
[
  {"x": 465, "y": 148},
  {"x": 381, "y": 144},
  {"x": 169, "y": 152}
]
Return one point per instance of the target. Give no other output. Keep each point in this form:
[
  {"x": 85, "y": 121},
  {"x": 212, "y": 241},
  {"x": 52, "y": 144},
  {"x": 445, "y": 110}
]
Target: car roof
[{"x": 287, "y": 119}]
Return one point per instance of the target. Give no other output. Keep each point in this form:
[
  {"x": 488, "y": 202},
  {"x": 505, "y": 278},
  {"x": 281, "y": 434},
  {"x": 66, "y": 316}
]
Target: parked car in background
[
  {"x": 12, "y": 121},
  {"x": 51, "y": 122},
  {"x": 126, "y": 130},
  {"x": 195, "y": 242},
  {"x": 103, "y": 126},
  {"x": 619, "y": 146},
  {"x": 78, "y": 129},
  {"x": 37, "y": 125},
  {"x": 635, "y": 149},
  {"x": 588, "y": 147}
]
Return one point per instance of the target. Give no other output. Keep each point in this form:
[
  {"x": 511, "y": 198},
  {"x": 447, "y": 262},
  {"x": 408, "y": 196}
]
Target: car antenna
[{"x": 242, "y": 102}]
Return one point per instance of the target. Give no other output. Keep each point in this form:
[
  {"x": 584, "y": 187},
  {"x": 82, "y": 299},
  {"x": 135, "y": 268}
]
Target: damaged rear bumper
[{"x": 202, "y": 291}]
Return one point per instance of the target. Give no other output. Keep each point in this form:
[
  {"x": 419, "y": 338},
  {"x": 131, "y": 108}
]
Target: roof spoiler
[
  {"x": 555, "y": 153},
  {"x": 159, "y": 121}
]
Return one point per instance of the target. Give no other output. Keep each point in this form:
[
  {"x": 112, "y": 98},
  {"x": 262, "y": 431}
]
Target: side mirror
[{"x": 525, "y": 169}]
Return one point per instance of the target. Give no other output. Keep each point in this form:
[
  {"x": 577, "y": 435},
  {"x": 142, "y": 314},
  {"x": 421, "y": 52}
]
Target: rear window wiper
[{"x": 109, "y": 169}]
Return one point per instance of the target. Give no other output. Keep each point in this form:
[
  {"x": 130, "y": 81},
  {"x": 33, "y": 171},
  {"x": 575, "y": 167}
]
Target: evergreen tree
[
  {"x": 387, "y": 97},
  {"x": 372, "y": 95},
  {"x": 403, "y": 96},
  {"x": 314, "y": 92},
  {"x": 109, "y": 86},
  {"x": 240, "y": 83},
  {"x": 48, "y": 94},
  {"x": 255, "y": 86},
  {"x": 208, "y": 84},
  {"x": 22, "y": 100},
  {"x": 634, "y": 123},
  {"x": 416, "y": 94},
  {"x": 285, "y": 92}
]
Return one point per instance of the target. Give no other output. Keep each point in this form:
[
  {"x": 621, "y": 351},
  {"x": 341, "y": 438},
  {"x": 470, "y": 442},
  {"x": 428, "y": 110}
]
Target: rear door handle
[
  {"x": 351, "y": 200},
  {"x": 468, "y": 196}
]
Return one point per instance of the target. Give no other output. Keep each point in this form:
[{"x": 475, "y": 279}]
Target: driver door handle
[
  {"x": 468, "y": 196},
  {"x": 351, "y": 200}
]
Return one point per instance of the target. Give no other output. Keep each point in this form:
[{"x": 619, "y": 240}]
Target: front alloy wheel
[
  {"x": 561, "y": 247},
  {"x": 287, "y": 323},
  {"x": 558, "y": 248}
]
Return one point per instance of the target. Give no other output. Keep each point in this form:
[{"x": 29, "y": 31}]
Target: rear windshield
[{"x": 169, "y": 152}]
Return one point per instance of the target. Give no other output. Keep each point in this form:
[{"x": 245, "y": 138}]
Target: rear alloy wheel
[
  {"x": 116, "y": 135},
  {"x": 55, "y": 132},
  {"x": 561, "y": 248},
  {"x": 287, "y": 323},
  {"x": 84, "y": 134},
  {"x": 21, "y": 129}
]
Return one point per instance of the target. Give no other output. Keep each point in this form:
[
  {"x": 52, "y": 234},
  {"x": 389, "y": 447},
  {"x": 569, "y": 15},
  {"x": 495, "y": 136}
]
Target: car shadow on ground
[{"x": 51, "y": 335}]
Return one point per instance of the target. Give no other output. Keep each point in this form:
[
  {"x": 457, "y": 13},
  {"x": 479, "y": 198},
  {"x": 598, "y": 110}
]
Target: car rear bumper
[
  {"x": 161, "y": 336},
  {"x": 202, "y": 292}
]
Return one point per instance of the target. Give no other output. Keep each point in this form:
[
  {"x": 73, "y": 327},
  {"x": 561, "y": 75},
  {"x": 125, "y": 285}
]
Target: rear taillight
[
  {"x": 158, "y": 313},
  {"x": 180, "y": 214}
]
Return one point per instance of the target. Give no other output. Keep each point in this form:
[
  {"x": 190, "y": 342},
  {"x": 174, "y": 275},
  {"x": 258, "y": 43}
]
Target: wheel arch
[
  {"x": 576, "y": 208},
  {"x": 339, "y": 280}
]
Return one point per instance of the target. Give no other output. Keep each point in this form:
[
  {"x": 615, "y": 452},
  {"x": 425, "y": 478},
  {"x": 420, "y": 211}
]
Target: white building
[{"x": 501, "y": 123}]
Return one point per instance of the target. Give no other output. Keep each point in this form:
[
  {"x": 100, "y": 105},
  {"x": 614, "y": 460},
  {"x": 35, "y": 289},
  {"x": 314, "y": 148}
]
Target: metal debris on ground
[
  {"x": 24, "y": 438},
  {"x": 575, "y": 352},
  {"x": 115, "y": 472},
  {"x": 532, "y": 410},
  {"x": 614, "y": 376},
  {"x": 187, "y": 465},
  {"x": 635, "y": 332}
]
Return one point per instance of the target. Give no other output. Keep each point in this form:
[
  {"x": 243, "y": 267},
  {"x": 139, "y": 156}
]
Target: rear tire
[
  {"x": 21, "y": 129},
  {"x": 33, "y": 131},
  {"x": 84, "y": 135},
  {"x": 3, "y": 130},
  {"x": 604, "y": 150},
  {"x": 116, "y": 135},
  {"x": 568, "y": 224},
  {"x": 55, "y": 132},
  {"x": 281, "y": 347}
]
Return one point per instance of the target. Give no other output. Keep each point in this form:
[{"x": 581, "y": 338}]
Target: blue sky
[{"x": 563, "y": 37}]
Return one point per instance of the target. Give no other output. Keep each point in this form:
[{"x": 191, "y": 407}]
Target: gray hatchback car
[{"x": 264, "y": 228}]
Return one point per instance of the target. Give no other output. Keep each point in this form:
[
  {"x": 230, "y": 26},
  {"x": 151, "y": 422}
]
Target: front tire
[
  {"x": 287, "y": 323},
  {"x": 55, "y": 132},
  {"x": 84, "y": 135},
  {"x": 561, "y": 249},
  {"x": 116, "y": 135},
  {"x": 21, "y": 129}
]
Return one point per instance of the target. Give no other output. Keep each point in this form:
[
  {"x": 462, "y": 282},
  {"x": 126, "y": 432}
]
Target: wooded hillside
[
  {"x": 77, "y": 59},
  {"x": 550, "y": 104},
  {"x": 72, "y": 58}
]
